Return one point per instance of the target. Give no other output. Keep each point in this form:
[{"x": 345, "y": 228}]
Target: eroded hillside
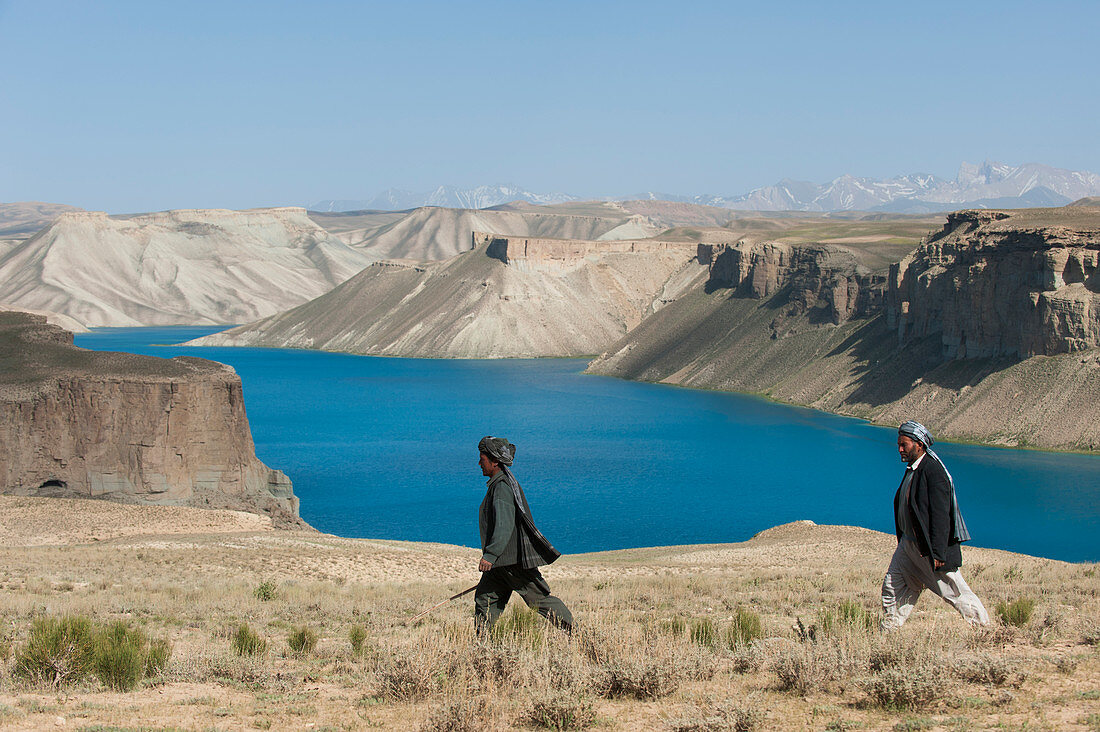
[
  {"x": 176, "y": 267},
  {"x": 508, "y": 297},
  {"x": 987, "y": 331}
]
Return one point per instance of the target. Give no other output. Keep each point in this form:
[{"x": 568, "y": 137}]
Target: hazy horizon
[{"x": 131, "y": 107}]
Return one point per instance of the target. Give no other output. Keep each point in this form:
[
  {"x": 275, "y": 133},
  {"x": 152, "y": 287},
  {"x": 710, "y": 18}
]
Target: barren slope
[
  {"x": 176, "y": 267},
  {"x": 556, "y": 298},
  {"x": 429, "y": 234}
]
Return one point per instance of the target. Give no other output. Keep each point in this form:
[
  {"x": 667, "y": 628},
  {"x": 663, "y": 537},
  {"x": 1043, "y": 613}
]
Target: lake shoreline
[{"x": 641, "y": 454}]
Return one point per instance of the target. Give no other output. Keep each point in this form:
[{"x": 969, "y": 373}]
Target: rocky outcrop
[
  {"x": 176, "y": 267},
  {"x": 135, "y": 429},
  {"x": 510, "y": 297},
  {"x": 824, "y": 279},
  {"x": 1003, "y": 283}
]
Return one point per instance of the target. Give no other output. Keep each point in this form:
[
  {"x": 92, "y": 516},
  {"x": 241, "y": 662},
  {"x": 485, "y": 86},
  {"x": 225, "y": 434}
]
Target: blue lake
[{"x": 387, "y": 448}]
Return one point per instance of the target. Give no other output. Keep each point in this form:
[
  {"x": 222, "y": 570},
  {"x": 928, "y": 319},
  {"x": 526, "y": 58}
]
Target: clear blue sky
[{"x": 136, "y": 106}]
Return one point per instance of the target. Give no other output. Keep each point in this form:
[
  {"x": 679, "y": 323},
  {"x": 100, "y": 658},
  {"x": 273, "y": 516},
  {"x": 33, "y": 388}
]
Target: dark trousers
[{"x": 498, "y": 584}]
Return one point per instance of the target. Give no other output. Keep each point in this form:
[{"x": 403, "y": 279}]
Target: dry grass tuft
[{"x": 1016, "y": 613}]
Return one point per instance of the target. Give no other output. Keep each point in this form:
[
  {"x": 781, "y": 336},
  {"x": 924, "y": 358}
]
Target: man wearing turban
[
  {"x": 512, "y": 549},
  {"x": 930, "y": 529}
]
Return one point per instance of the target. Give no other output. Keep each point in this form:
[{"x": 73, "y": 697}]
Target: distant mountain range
[
  {"x": 988, "y": 185},
  {"x": 394, "y": 199}
]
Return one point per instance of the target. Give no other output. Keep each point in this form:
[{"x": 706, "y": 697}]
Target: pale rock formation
[
  {"x": 136, "y": 429},
  {"x": 508, "y": 297},
  {"x": 175, "y": 267}
]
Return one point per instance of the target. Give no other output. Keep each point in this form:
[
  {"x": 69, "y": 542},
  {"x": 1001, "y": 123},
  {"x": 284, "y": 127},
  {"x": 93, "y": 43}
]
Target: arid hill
[
  {"x": 431, "y": 234},
  {"x": 135, "y": 429},
  {"x": 508, "y": 297},
  {"x": 175, "y": 267},
  {"x": 987, "y": 332}
]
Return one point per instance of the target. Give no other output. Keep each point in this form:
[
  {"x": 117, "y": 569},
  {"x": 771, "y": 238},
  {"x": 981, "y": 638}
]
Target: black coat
[{"x": 932, "y": 514}]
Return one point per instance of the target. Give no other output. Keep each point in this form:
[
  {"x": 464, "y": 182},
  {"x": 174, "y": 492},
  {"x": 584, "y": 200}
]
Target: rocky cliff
[
  {"x": 135, "y": 429},
  {"x": 508, "y": 297},
  {"x": 1000, "y": 283},
  {"x": 175, "y": 267},
  {"x": 987, "y": 332},
  {"x": 829, "y": 281}
]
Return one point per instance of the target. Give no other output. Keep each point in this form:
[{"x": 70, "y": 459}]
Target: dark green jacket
[{"x": 508, "y": 533}]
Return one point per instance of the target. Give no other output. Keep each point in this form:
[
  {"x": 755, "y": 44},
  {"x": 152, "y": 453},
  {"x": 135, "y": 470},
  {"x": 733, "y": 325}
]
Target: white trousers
[{"x": 909, "y": 573}]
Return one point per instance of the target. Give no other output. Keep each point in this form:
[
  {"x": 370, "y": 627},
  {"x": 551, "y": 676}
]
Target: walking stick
[{"x": 439, "y": 604}]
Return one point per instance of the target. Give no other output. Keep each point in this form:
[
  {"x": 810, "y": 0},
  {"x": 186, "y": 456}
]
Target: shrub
[
  {"x": 302, "y": 641},
  {"x": 560, "y": 710},
  {"x": 641, "y": 679},
  {"x": 704, "y": 633},
  {"x": 991, "y": 670},
  {"x": 59, "y": 651},
  {"x": 247, "y": 642},
  {"x": 357, "y": 636},
  {"x": 265, "y": 591},
  {"x": 747, "y": 659},
  {"x": 811, "y": 667},
  {"x": 745, "y": 628},
  {"x": 1017, "y": 612},
  {"x": 462, "y": 715},
  {"x": 899, "y": 689},
  {"x": 494, "y": 662},
  {"x": 120, "y": 656},
  {"x": 407, "y": 677},
  {"x": 727, "y": 716}
]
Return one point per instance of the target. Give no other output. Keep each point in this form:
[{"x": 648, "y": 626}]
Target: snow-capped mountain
[
  {"x": 394, "y": 199},
  {"x": 988, "y": 185}
]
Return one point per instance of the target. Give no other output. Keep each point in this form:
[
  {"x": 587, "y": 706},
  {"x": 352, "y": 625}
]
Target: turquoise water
[{"x": 387, "y": 448}]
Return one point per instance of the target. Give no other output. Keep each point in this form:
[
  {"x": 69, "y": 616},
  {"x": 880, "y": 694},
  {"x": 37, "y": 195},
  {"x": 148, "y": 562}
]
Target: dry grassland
[{"x": 657, "y": 645}]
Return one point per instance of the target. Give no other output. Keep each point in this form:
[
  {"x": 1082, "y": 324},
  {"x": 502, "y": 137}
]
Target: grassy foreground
[{"x": 293, "y": 630}]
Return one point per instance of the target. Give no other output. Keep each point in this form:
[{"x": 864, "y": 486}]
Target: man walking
[
  {"x": 929, "y": 529},
  {"x": 512, "y": 549}
]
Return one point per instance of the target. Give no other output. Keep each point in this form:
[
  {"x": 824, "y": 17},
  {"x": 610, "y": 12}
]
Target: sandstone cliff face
[
  {"x": 988, "y": 332},
  {"x": 510, "y": 297},
  {"x": 136, "y": 429},
  {"x": 827, "y": 279},
  {"x": 175, "y": 267},
  {"x": 1000, "y": 283}
]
